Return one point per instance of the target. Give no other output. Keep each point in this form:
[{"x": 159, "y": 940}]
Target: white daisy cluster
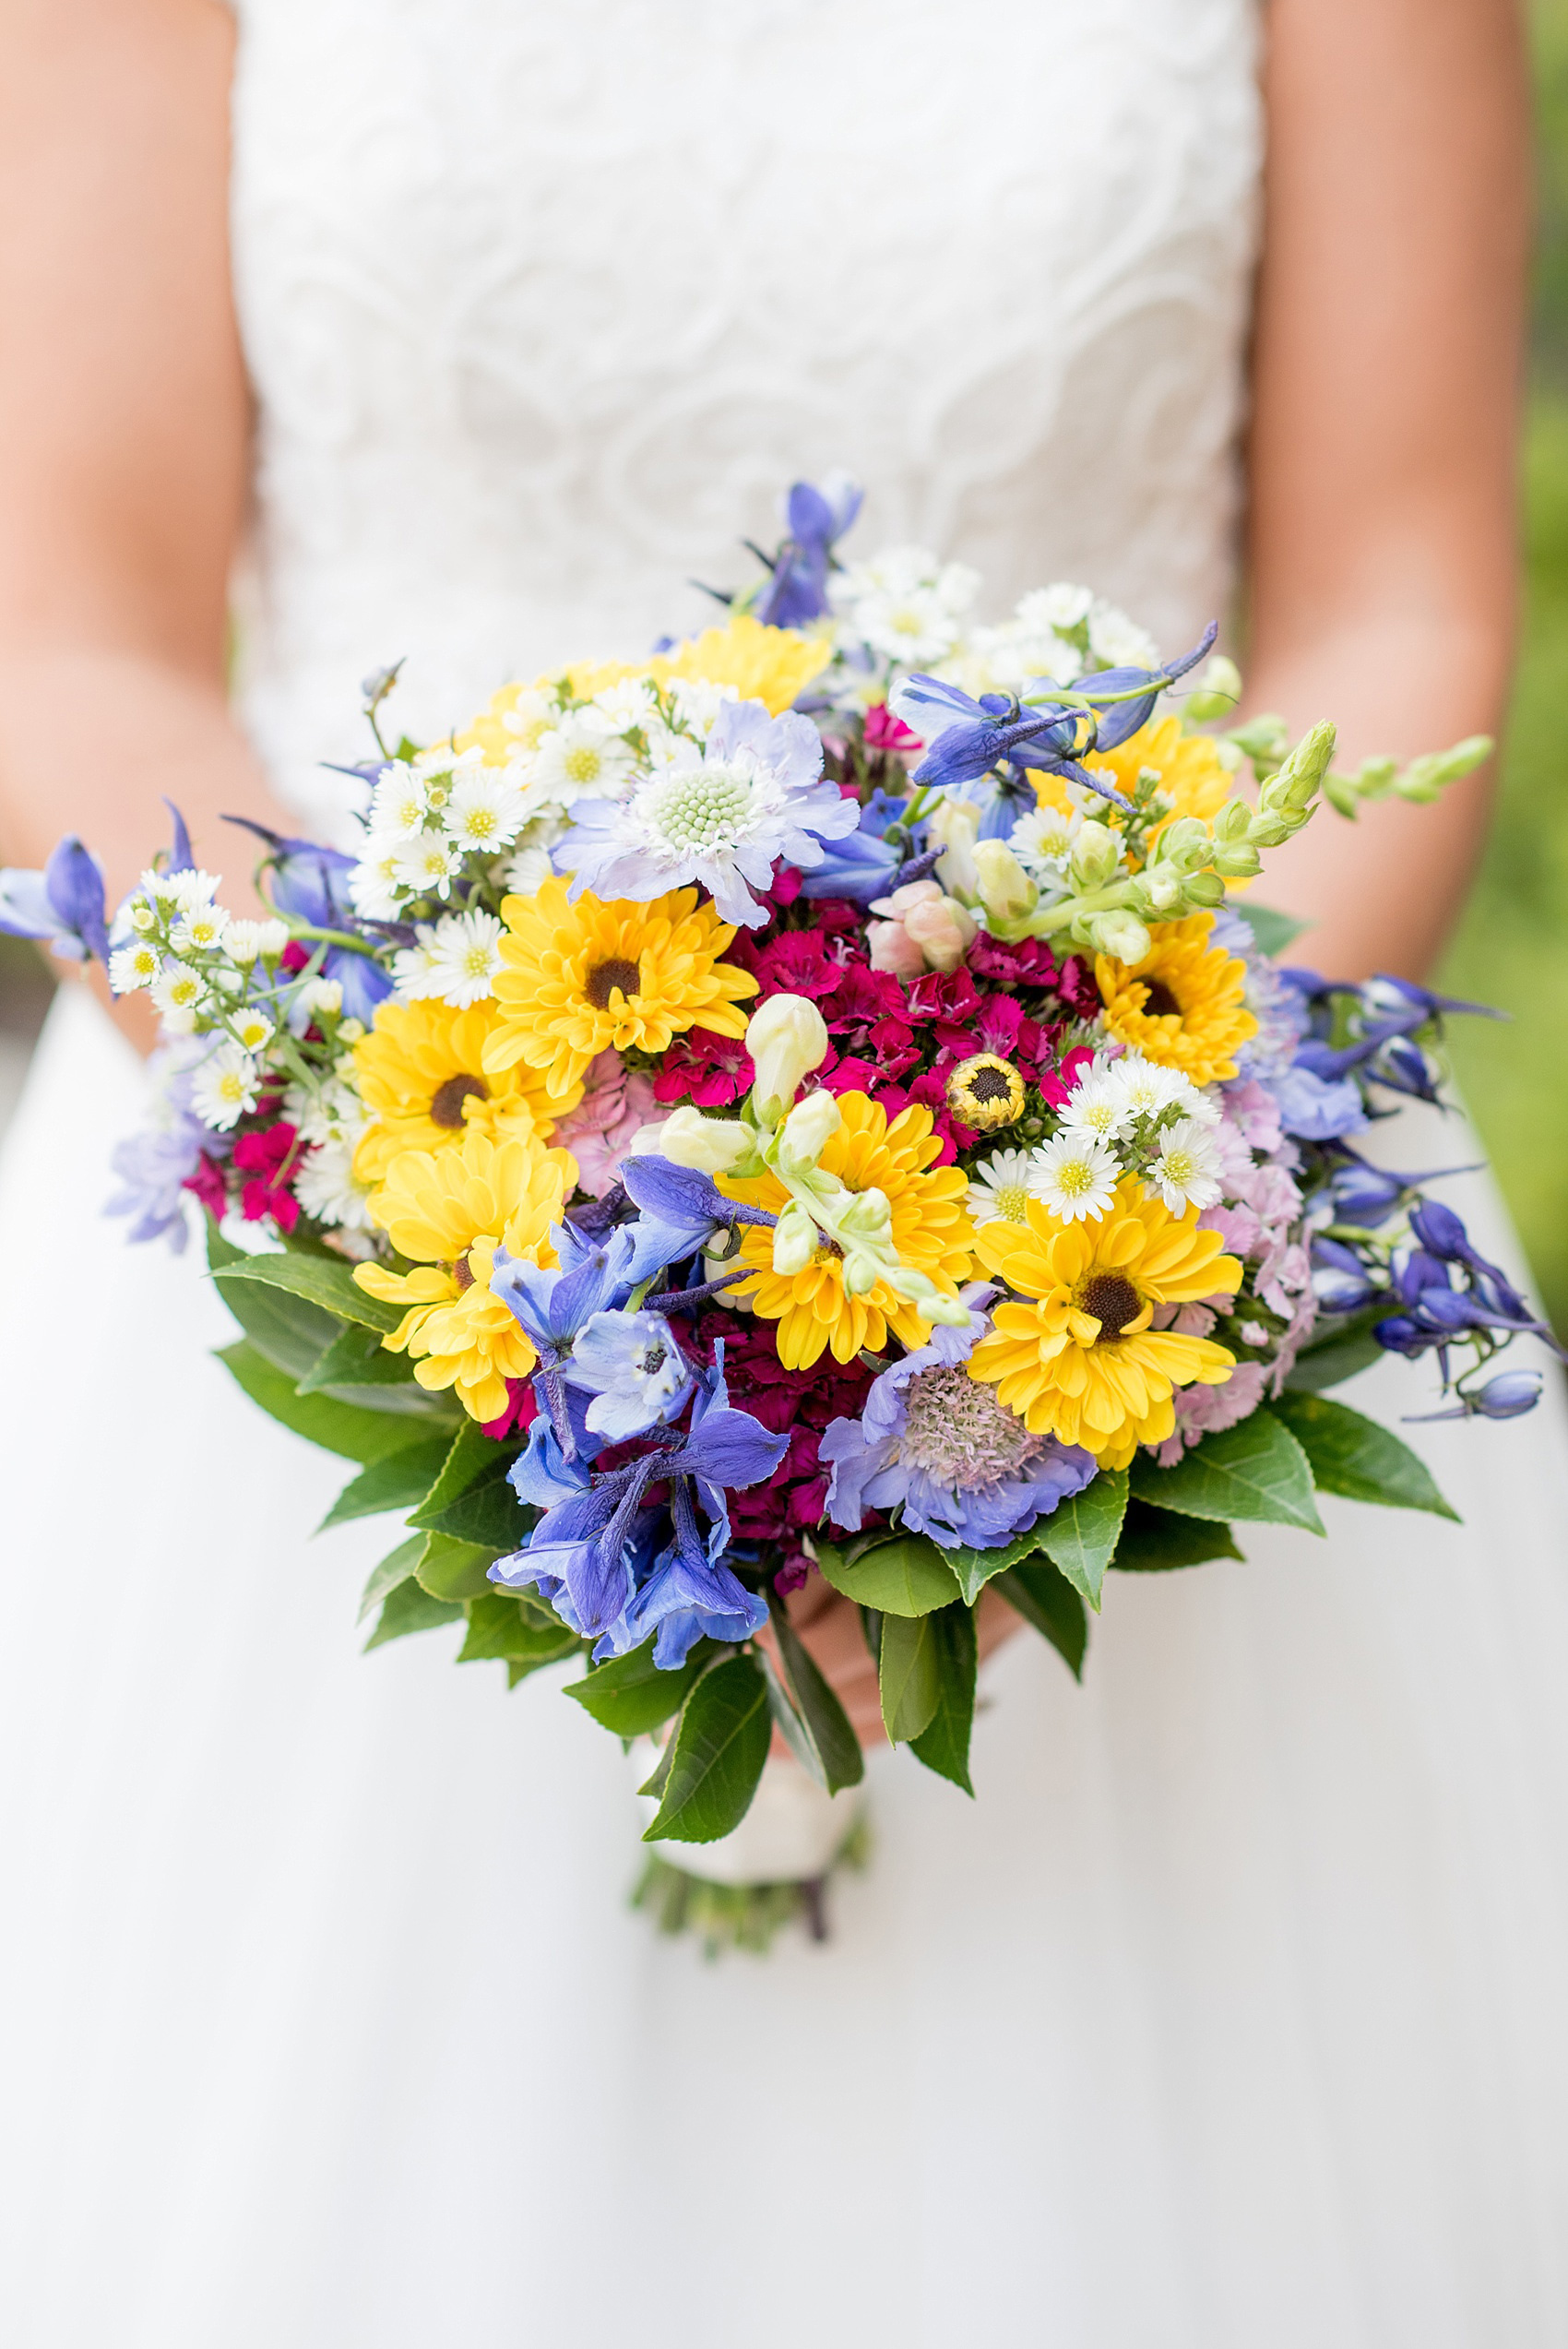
[
  {"x": 1061, "y": 632},
  {"x": 905, "y": 604},
  {"x": 1125, "y": 1116},
  {"x": 330, "y": 1119},
  {"x": 430, "y": 816}
]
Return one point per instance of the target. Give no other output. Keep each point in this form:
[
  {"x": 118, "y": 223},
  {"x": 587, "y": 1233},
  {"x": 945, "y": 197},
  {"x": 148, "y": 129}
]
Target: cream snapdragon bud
[
  {"x": 1006, "y": 892},
  {"x": 944, "y": 930},
  {"x": 1205, "y": 888},
  {"x": 787, "y": 1038},
  {"x": 869, "y": 1216},
  {"x": 1294, "y": 784},
  {"x": 1186, "y": 844},
  {"x": 807, "y": 1130},
  {"x": 955, "y": 823},
  {"x": 795, "y": 1240},
  {"x": 1096, "y": 855},
  {"x": 1122, "y": 934},
  {"x": 1216, "y": 694},
  {"x": 712, "y": 1145}
]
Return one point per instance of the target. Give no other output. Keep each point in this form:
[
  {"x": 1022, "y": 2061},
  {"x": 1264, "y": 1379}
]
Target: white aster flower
[
  {"x": 224, "y": 1087},
  {"x": 1056, "y": 610},
  {"x": 696, "y": 702},
  {"x": 1002, "y": 1185},
  {"x": 141, "y": 916},
  {"x": 242, "y": 941},
  {"x": 583, "y": 757},
  {"x": 1148, "y": 1091},
  {"x": 1118, "y": 643},
  {"x": 375, "y": 888},
  {"x": 906, "y": 603},
  {"x": 163, "y": 889},
  {"x": 1186, "y": 1173},
  {"x": 528, "y": 871},
  {"x": 328, "y": 1113},
  {"x": 133, "y": 966},
  {"x": 414, "y": 966},
  {"x": 1076, "y": 1176},
  {"x": 1098, "y": 1104},
  {"x": 486, "y": 810},
  {"x": 325, "y": 1188},
  {"x": 1043, "y": 842},
  {"x": 465, "y": 955},
  {"x": 426, "y": 864},
  {"x": 531, "y": 718},
  {"x": 627, "y": 703},
  {"x": 179, "y": 993},
  {"x": 253, "y": 1029},
  {"x": 193, "y": 890},
  {"x": 271, "y": 939},
  {"x": 200, "y": 930},
  {"x": 397, "y": 803},
  {"x": 317, "y": 996}
]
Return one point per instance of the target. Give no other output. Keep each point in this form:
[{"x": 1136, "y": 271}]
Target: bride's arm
[
  {"x": 123, "y": 433},
  {"x": 1382, "y": 558}
]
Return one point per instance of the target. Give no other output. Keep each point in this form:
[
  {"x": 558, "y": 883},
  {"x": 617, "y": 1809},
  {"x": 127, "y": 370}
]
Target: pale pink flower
[
  {"x": 600, "y": 1132},
  {"x": 1205, "y": 1411},
  {"x": 926, "y": 931}
]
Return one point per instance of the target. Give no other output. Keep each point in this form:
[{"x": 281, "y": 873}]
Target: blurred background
[{"x": 1512, "y": 948}]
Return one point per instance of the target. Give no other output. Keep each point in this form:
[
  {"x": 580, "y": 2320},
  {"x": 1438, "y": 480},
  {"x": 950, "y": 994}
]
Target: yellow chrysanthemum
[
  {"x": 421, "y": 1074},
  {"x": 575, "y": 979},
  {"x": 931, "y": 1233},
  {"x": 770, "y": 665},
  {"x": 1183, "y": 1004},
  {"x": 448, "y": 1211},
  {"x": 1079, "y": 1360}
]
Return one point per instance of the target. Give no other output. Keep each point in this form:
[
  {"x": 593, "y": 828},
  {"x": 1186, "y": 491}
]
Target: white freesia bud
[
  {"x": 787, "y": 1039},
  {"x": 1122, "y": 934},
  {"x": 795, "y": 1238},
  {"x": 806, "y": 1132},
  {"x": 1006, "y": 892},
  {"x": 712, "y": 1145},
  {"x": 1096, "y": 855},
  {"x": 955, "y": 823}
]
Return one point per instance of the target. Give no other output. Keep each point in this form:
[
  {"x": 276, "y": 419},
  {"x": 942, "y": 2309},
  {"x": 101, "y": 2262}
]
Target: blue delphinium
[
  {"x": 632, "y": 1366},
  {"x": 815, "y": 518},
  {"x": 62, "y": 907},
  {"x": 935, "y": 1444}
]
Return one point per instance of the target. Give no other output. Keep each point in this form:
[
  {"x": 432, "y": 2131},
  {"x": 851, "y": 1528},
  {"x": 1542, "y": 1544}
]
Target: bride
[{"x": 1231, "y": 2012}]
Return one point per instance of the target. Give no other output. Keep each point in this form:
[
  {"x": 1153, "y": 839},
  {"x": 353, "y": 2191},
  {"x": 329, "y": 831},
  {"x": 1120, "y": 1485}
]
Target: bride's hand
[{"x": 830, "y": 1627}]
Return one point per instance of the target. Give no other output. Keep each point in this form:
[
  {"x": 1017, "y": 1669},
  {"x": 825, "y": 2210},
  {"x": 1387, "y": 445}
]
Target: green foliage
[
  {"x": 908, "y": 1673},
  {"x": 809, "y": 1715},
  {"x": 906, "y": 1577},
  {"x": 1257, "y": 1470},
  {"x": 1274, "y": 932},
  {"x": 324, "y": 1281},
  {"x": 499, "y": 1630},
  {"x": 409, "y": 1609},
  {"x": 944, "y": 1744},
  {"x": 336, "y": 1427},
  {"x": 1035, "y": 1589},
  {"x": 397, "y": 1567},
  {"x": 975, "y": 1568},
  {"x": 450, "y": 1570},
  {"x": 1356, "y": 1457},
  {"x": 1156, "y": 1540},
  {"x": 489, "y": 1512},
  {"x": 468, "y": 1455},
  {"x": 716, "y": 1755},
  {"x": 1337, "y": 1351},
  {"x": 1079, "y": 1536},
  {"x": 292, "y": 1334},
  {"x": 396, "y": 1481},
  {"x": 357, "y": 1368},
  {"x": 631, "y": 1696}
]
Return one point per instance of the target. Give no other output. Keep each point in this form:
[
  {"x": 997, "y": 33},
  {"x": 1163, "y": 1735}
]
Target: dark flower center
[
  {"x": 605, "y": 977},
  {"x": 990, "y": 1084},
  {"x": 462, "y": 1272},
  {"x": 1159, "y": 1001},
  {"x": 1113, "y": 1303},
  {"x": 446, "y": 1102}
]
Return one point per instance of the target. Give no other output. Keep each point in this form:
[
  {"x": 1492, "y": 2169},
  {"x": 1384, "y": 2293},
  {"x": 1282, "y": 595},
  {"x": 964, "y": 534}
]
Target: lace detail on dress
[{"x": 543, "y": 306}]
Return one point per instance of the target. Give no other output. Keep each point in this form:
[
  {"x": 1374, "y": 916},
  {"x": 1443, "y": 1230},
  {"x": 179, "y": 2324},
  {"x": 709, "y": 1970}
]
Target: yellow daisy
[
  {"x": 575, "y": 979},
  {"x": 1183, "y": 1004},
  {"x": 931, "y": 1233},
  {"x": 770, "y": 665},
  {"x": 502, "y": 742},
  {"x": 1080, "y": 1361},
  {"x": 421, "y": 1074},
  {"x": 448, "y": 1211},
  {"x": 1191, "y": 776}
]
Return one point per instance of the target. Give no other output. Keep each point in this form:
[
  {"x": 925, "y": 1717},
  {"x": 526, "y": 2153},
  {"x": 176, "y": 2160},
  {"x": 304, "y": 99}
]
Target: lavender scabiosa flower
[
  {"x": 155, "y": 1165},
  {"x": 935, "y": 1444}
]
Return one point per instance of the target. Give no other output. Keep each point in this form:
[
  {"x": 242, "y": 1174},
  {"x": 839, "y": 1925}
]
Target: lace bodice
[{"x": 543, "y": 303}]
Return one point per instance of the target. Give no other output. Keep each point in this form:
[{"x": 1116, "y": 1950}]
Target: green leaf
[
  {"x": 1047, "y": 1600},
  {"x": 943, "y": 1744},
  {"x": 356, "y": 1368},
  {"x": 396, "y": 1481},
  {"x": 498, "y": 1629},
  {"x": 324, "y": 1281},
  {"x": 1155, "y": 1540},
  {"x": 657, "y": 1778},
  {"x": 631, "y": 1696},
  {"x": 290, "y": 1333},
  {"x": 908, "y": 1673},
  {"x": 488, "y": 1513},
  {"x": 468, "y": 1455},
  {"x": 1338, "y": 1351},
  {"x": 1080, "y": 1534},
  {"x": 908, "y": 1577},
  {"x": 409, "y": 1609},
  {"x": 975, "y": 1568},
  {"x": 1274, "y": 932},
  {"x": 1255, "y": 1470},
  {"x": 719, "y": 1747},
  {"x": 1354, "y": 1456},
  {"x": 809, "y": 1713},
  {"x": 219, "y": 1251},
  {"x": 336, "y": 1427},
  {"x": 397, "y": 1567},
  {"x": 449, "y": 1569}
]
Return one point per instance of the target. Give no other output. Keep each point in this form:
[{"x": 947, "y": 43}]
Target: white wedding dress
[{"x": 1232, "y": 2013}]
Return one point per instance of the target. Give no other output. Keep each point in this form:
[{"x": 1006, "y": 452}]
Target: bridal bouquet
[{"x": 814, "y": 1101}]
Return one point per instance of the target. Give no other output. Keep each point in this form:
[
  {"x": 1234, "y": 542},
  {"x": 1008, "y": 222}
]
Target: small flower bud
[
  {"x": 1122, "y": 934},
  {"x": 712, "y": 1145},
  {"x": 787, "y": 1039},
  {"x": 1237, "y": 864},
  {"x": 1205, "y": 888},
  {"x": 1096, "y": 855},
  {"x": 807, "y": 1130},
  {"x": 869, "y": 1216},
  {"x": 795, "y": 1239},
  {"x": 955, "y": 823},
  {"x": 1217, "y": 693},
  {"x": 1006, "y": 889}
]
